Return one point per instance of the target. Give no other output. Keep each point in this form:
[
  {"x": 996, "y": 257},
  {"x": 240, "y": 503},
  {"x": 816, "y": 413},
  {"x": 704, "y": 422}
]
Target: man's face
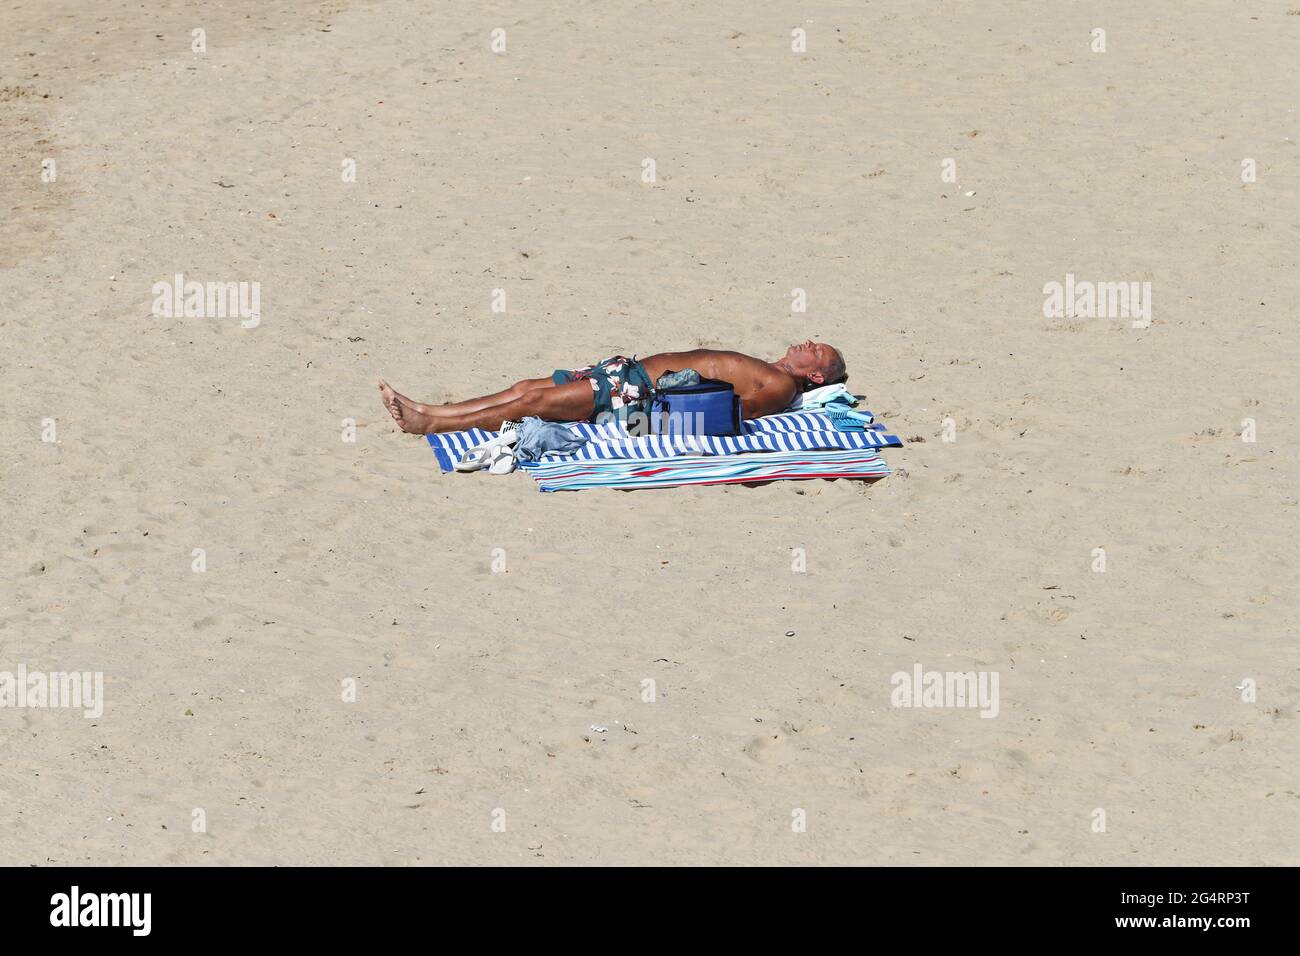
[{"x": 813, "y": 360}]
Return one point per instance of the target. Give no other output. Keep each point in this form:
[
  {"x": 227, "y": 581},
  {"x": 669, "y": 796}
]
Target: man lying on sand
[{"x": 622, "y": 385}]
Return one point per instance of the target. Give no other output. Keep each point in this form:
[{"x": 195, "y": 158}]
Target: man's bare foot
[{"x": 410, "y": 416}]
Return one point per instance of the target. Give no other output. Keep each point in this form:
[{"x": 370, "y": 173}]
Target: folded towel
[
  {"x": 816, "y": 398},
  {"x": 559, "y": 474}
]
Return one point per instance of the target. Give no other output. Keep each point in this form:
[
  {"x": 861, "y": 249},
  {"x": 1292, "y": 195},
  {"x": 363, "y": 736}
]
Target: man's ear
[{"x": 817, "y": 378}]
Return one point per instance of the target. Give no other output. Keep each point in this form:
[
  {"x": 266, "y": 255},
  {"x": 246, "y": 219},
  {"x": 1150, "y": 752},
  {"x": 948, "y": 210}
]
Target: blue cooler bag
[{"x": 709, "y": 408}]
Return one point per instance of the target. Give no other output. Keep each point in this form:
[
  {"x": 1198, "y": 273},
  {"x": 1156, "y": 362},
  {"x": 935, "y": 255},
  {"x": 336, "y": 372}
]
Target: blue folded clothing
[
  {"x": 538, "y": 438},
  {"x": 682, "y": 379}
]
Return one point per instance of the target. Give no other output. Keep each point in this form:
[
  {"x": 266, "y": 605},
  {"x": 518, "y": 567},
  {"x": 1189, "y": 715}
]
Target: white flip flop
[
  {"x": 484, "y": 455},
  {"x": 503, "y": 461}
]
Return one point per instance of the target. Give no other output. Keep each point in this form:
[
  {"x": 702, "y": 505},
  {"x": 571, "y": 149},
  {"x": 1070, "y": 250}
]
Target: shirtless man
[{"x": 622, "y": 385}]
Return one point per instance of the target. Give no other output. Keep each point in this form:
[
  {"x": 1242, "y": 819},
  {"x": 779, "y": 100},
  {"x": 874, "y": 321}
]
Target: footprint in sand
[{"x": 766, "y": 748}]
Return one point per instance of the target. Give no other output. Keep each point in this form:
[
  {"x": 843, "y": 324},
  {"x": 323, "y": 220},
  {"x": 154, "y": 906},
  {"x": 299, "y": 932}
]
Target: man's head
[{"x": 816, "y": 363}]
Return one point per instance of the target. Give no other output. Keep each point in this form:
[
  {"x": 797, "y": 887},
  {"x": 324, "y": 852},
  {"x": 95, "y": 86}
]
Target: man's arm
[{"x": 772, "y": 395}]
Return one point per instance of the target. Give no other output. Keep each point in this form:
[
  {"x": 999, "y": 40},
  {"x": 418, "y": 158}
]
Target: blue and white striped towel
[{"x": 791, "y": 431}]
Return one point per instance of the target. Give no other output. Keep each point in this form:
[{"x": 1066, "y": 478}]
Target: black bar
[{"x": 918, "y": 906}]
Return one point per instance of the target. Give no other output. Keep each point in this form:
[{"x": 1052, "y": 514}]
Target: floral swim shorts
[{"x": 621, "y": 386}]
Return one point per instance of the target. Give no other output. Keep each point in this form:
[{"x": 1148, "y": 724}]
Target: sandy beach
[{"x": 317, "y": 649}]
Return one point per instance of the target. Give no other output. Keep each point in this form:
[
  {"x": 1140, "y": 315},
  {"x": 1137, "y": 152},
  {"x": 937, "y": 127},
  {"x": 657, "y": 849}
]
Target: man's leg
[
  {"x": 570, "y": 402},
  {"x": 469, "y": 405}
]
